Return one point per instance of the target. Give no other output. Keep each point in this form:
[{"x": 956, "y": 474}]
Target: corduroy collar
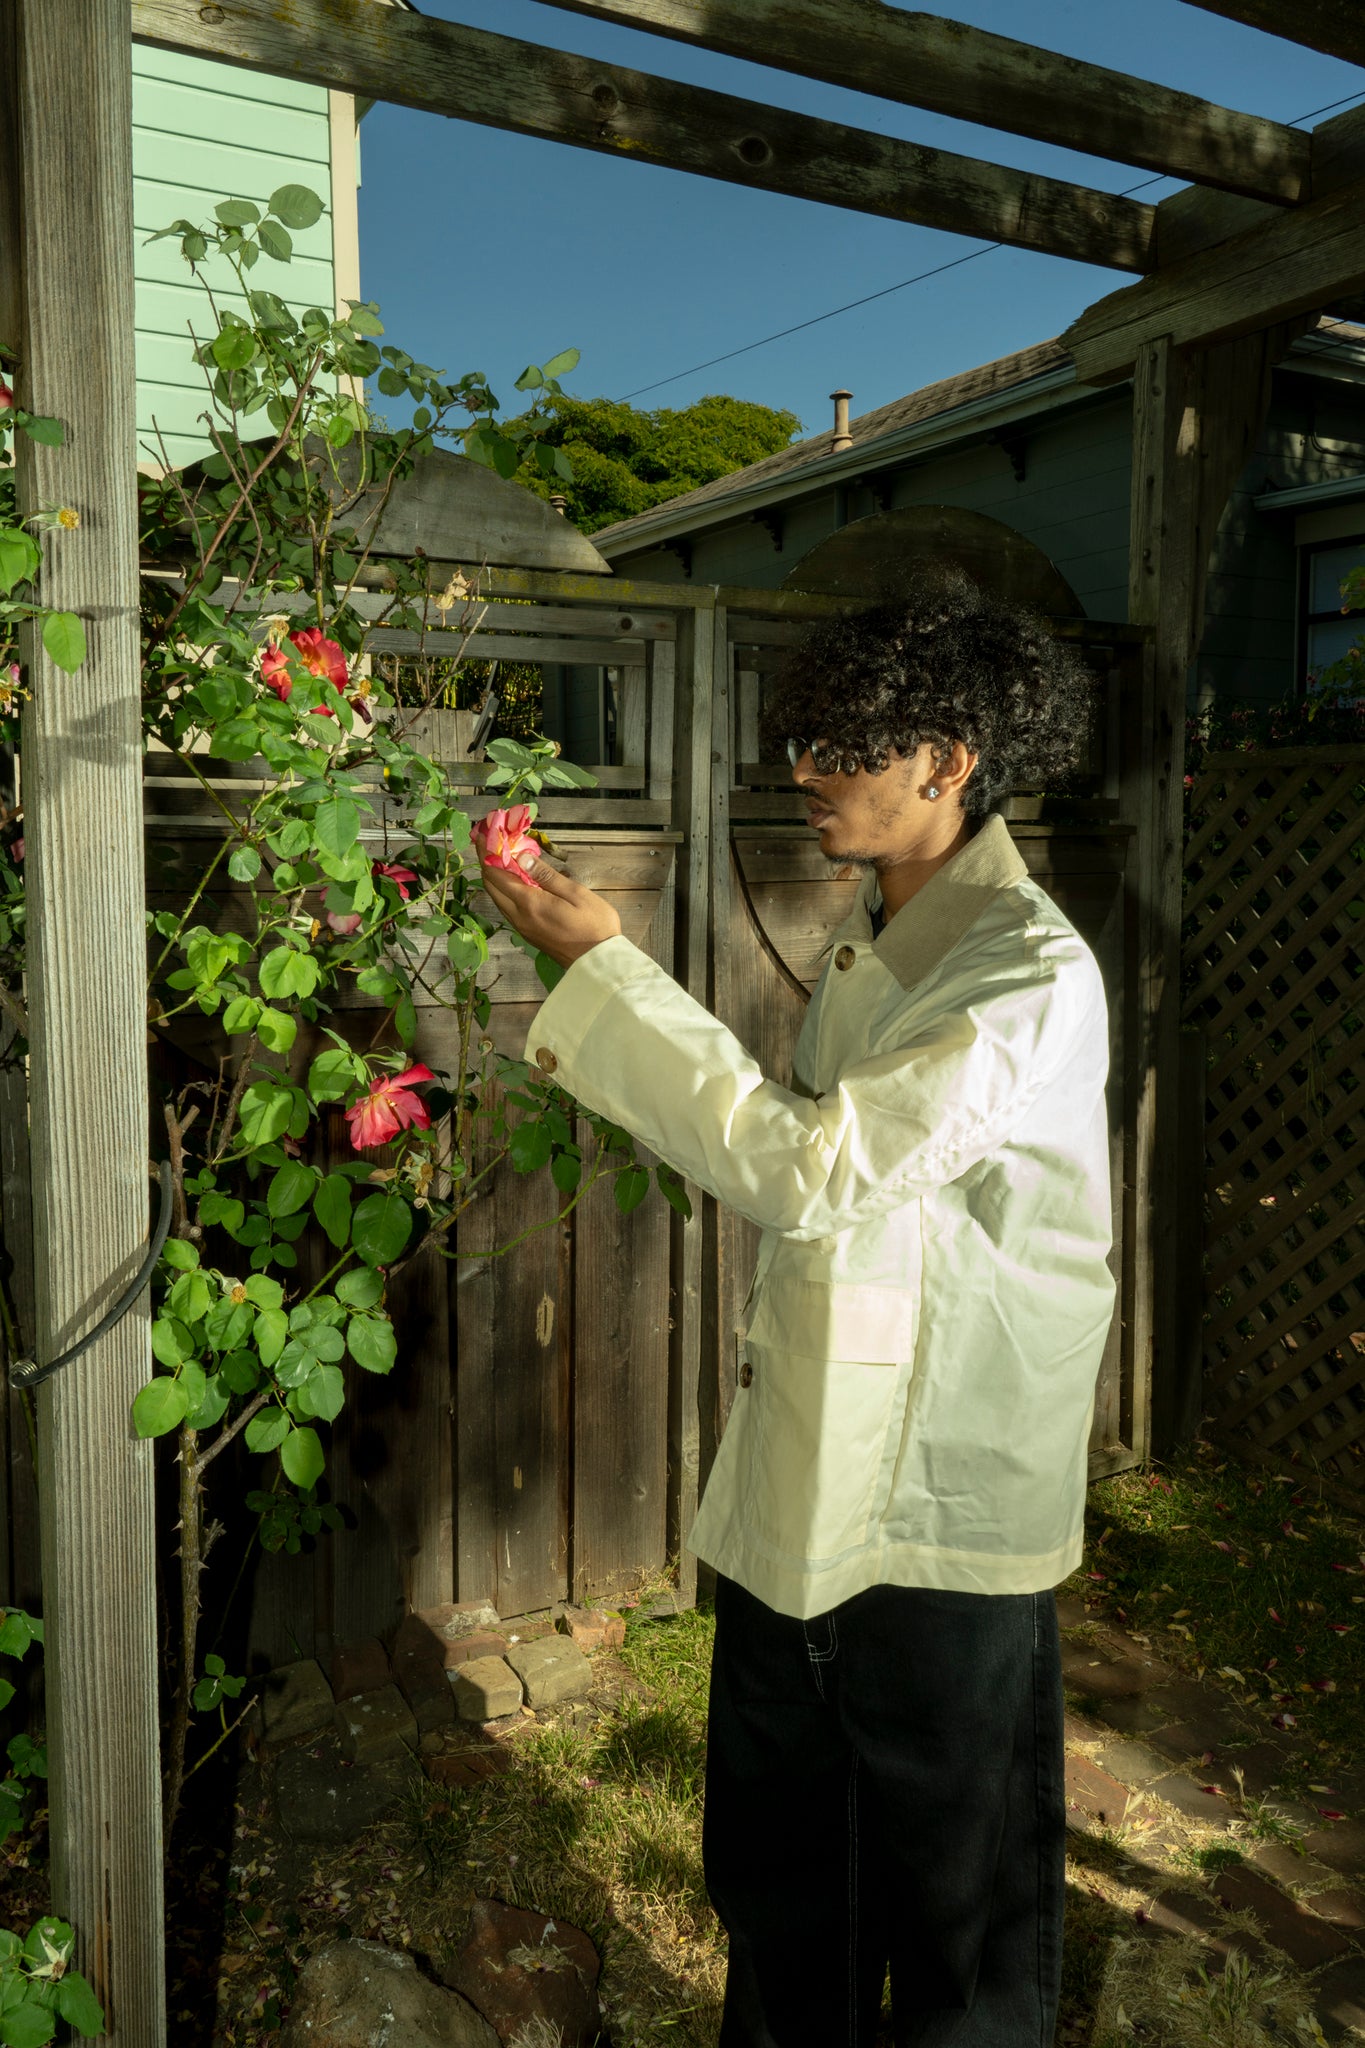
[{"x": 924, "y": 931}]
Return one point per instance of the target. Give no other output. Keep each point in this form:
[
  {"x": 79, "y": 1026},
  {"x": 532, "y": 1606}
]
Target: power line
[{"x": 986, "y": 249}]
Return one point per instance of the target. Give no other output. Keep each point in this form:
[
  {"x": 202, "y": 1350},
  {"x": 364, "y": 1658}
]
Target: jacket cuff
[{"x": 563, "y": 1021}]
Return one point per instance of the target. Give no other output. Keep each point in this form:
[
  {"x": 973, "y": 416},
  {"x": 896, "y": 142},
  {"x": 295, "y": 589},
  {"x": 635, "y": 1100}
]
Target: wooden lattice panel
[{"x": 1274, "y": 935}]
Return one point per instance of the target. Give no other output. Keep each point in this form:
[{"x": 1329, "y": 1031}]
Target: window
[{"x": 1326, "y": 634}]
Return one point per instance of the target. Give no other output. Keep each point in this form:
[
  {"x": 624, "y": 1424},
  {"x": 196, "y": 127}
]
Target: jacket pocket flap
[{"x": 835, "y": 1319}]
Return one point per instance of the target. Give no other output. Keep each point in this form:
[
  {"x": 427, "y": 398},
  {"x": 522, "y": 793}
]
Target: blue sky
[{"x": 487, "y": 250}]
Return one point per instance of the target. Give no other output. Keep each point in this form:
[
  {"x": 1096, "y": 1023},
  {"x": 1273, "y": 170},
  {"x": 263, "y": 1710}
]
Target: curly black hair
[{"x": 945, "y": 660}]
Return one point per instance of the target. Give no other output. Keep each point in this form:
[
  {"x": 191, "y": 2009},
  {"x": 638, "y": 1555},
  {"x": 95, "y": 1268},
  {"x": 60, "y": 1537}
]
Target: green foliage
[
  {"x": 625, "y": 460},
  {"x": 253, "y": 650},
  {"x": 39, "y": 1990}
]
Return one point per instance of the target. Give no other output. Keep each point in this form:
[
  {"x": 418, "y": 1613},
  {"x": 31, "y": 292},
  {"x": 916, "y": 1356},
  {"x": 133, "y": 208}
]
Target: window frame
[{"x": 1308, "y": 550}]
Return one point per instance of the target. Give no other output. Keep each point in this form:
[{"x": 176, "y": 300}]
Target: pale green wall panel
[{"x": 204, "y": 132}]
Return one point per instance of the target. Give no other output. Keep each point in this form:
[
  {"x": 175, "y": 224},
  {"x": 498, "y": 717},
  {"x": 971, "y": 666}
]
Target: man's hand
[{"x": 561, "y": 917}]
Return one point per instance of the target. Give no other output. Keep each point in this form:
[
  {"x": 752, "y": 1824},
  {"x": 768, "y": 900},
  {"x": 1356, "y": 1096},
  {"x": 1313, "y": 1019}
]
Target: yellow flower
[{"x": 69, "y": 517}]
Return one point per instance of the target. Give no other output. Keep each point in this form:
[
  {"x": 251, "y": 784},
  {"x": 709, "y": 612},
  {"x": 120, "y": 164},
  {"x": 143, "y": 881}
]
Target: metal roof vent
[{"x": 842, "y": 437}]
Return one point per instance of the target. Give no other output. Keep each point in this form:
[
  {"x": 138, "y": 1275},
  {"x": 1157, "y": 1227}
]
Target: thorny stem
[
  {"x": 188, "y": 911},
  {"x": 176, "y": 1128},
  {"x": 191, "y": 1566},
  {"x": 225, "y": 1436},
  {"x": 230, "y": 1729},
  {"x": 244, "y": 491},
  {"x": 235, "y": 1099}
]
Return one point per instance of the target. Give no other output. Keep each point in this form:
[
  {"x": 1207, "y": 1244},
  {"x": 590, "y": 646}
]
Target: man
[{"x": 901, "y": 1482}]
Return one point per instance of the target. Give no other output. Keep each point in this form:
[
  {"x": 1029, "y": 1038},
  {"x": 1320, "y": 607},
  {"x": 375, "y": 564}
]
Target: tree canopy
[{"x": 626, "y": 460}]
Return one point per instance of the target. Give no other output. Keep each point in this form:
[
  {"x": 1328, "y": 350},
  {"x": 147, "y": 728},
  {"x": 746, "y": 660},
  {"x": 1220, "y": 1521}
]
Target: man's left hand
[{"x": 561, "y": 917}]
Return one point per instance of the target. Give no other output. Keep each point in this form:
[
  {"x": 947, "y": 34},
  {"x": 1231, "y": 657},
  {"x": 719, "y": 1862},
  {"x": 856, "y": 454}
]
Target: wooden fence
[
  {"x": 555, "y": 1412},
  {"x": 1273, "y": 949}
]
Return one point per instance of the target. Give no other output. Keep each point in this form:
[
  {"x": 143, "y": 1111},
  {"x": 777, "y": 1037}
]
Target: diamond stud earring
[{"x": 932, "y": 791}]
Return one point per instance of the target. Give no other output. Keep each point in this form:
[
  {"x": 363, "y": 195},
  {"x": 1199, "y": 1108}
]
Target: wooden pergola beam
[
  {"x": 923, "y": 60},
  {"x": 1295, "y": 263},
  {"x": 1336, "y": 27},
  {"x": 443, "y": 67}
]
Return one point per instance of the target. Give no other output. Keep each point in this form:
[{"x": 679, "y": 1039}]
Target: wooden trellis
[{"x": 1274, "y": 946}]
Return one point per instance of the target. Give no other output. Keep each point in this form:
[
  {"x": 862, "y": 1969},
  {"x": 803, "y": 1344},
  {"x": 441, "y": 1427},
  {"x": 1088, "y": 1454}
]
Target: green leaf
[
  {"x": 673, "y": 1191},
  {"x": 182, "y": 1256},
  {"x": 276, "y": 1030},
  {"x": 212, "y": 1404},
  {"x": 240, "y": 1370},
  {"x": 244, "y": 864},
  {"x": 529, "y": 1146},
  {"x": 237, "y": 213},
  {"x": 324, "y": 1392},
  {"x": 301, "y": 1457},
  {"x": 29, "y": 2025},
  {"x": 405, "y": 1020},
  {"x": 265, "y": 1112},
  {"x": 241, "y": 1014},
  {"x": 42, "y": 428},
  {"x": 272, "y": 1331},
  {"x": 467, "y": 947},
  {"x": 78, "y": 2005},
  {"x": 566, "y": 1170},
  {"x": 19, "y": 557},
  {"x": 189, "y": 1298},
  {"x": 296, "y": 206},
  {"x": 284, "y": 972},
  {"x": 549, "y": 971},
  {"x": 15, "y": 1634},
  {"x": 160, "y": 1406},
  {"x": 332, "y": 1075},
  {"x": 266, "y": 1293},
  {"x": 560, "y": 365},
  {"x": 335, "y": 825},
  {"x": 64, "y": 639},
  {"x": 290, "y": 1189},
  {"x": 380, "y": 1227},
  {"x": 360, "y": 1288},
  {"x": 332, "y": 1207},
  {"x": 372, "y": 1342},
  {"x": 224, "y": 1209},
  {"x": 632, "y": 1185},
  {"x": 275, "y": 240},
  {"x": 530, "y": 379},
  {"x": 234, "y": 348},
  {"x": 288, "y": 840},
  {"x": 171, "y": 1341},
  {"x": 267, "y": 1430}
]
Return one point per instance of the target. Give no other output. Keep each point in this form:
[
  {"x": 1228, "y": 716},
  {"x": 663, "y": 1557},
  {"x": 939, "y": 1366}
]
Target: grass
[
  {"x": 1166, "y": 1995},
  {"x": 600, "y": 1828},
  {"x": 1242, "y": 1575}
]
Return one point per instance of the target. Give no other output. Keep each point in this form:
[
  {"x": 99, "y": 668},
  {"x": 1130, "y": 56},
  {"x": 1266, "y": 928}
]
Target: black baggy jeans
[{"x": 884, "y": 1789}]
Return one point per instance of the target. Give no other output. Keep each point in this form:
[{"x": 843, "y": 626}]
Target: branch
[{"x": 225, "y": 1436}]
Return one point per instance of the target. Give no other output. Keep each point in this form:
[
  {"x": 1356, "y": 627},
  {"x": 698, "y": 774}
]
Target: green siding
[{"x": 204, "y": 132}]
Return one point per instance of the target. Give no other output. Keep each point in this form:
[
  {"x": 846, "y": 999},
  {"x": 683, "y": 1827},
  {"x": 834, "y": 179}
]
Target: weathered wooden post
[{"x": 66, "y": 301}]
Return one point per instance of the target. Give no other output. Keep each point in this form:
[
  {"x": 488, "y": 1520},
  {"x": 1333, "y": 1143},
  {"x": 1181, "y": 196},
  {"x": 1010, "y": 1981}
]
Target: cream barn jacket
[{"x": 932, "y": 1295}]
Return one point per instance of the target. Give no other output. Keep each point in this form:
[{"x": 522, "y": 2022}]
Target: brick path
[{"x": 1150, "y": 1760}]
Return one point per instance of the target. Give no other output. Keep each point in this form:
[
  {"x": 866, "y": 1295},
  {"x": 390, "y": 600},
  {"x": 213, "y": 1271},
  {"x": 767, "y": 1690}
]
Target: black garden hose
[{"x": 26, "y": 1372}]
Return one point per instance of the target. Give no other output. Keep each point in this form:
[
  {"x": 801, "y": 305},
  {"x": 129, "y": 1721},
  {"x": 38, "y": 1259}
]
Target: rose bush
[{"x": 350, "y": 856}]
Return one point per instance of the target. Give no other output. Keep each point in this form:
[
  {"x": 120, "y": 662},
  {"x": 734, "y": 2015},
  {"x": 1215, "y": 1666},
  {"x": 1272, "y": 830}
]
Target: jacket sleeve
[{"x": 622, "y": 1037}]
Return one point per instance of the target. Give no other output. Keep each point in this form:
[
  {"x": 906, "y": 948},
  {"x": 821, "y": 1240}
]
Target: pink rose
[
  {"x": 345, "y": 922},
  {"x": 321, "y": 657},
  {"x": 275, "y": 672},
  {"x": 6, "y": 396},
  {"x": 399, "y": 876},
  {"x": 389, "y": 1108},
  {"x": 503, "y": 840}
]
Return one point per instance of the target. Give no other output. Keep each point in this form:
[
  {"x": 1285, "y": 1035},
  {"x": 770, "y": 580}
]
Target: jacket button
[
  {"x": 844, "y": 958},
  {"x": 746, "y": 1374},
  {"x": 546, "y": 1060}
]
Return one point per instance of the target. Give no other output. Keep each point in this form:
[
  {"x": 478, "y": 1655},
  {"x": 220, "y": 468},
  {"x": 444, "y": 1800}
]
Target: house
[
  {"x": 203, "y": 132},
  {"x": 1021, "y": 443}
]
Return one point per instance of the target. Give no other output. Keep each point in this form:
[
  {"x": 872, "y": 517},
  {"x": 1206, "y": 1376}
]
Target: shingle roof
[
  {"x": 926, "y": 403},
  {"x": 872, "y": 426}
]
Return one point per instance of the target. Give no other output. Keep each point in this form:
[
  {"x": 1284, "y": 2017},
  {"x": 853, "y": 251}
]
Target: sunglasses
[{"x": 825, "y": 759}]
